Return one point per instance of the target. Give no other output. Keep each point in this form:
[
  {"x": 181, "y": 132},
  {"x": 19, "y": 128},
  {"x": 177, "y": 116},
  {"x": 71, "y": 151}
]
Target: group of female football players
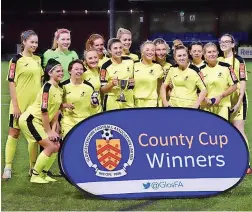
[{"x": 49, "y": 98}]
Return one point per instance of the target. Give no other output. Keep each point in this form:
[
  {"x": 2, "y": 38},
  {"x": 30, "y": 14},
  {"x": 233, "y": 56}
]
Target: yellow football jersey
[
  {"x": 104, "y": 59},
  {"x": 80, "y": 97},
  {"x": 48, "y": 100},
  {"x": 185, "y": 84},
  {"x": 26, "y": 73},
  {"x": 122, "y": 71},
  {"x": 146, "y": 80},
  {"x": 218, "y": 79},
  {"x": 92, "y": 76},
  {"x": 239, "y": 66},
  {"x": 134, "y": 57}
]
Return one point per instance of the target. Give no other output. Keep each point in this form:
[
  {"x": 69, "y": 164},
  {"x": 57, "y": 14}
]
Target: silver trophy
[{"x": 123, "y": 85}]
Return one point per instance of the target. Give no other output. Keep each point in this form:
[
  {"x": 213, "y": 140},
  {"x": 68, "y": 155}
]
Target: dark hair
[
  {"x": 233, "y": 49},
  {"x": 195, "y": 43},
  {"x": 70, "y": 66},
  {"x": 25, "y": 35},
  {"x": 51, "y": 64}
]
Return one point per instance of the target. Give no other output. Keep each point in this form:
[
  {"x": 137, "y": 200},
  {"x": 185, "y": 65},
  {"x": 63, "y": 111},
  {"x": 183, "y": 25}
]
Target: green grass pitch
[{"x": 19, "y": 194}]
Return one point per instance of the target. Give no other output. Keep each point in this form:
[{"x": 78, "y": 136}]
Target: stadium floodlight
[
  {"x": 86, "y": 11},
  {"x": 41, "y": 11},
  {"x": 131, "y": 11},
  {"x": 63, "y": 11}
]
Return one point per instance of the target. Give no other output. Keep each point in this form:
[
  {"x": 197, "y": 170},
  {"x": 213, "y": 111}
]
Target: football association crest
[{"x": 109, "y": 151}]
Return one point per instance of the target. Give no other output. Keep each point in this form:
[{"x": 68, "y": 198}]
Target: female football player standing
[
  {"x": 125, "y": 37},
  {"x": 24, "y": 78},
  {"x": 185, "y": 80},
  {"x": 60, "y": 50},
  {"x": 196, "y": 52},
  {"x": 239, "y": 99},
  {"x": 147, "y": 75},
  {"x": 112, "y": 73},
  {"x": 96, "y": 42},
  {"x": 92, "y": 75},
  {"x": 220, "y": 81}
]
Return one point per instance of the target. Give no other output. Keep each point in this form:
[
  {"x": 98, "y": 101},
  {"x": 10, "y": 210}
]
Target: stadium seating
[{"x": 188, "y": 37}]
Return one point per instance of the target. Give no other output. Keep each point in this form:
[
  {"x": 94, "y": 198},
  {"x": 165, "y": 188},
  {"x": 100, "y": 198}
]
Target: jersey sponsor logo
[
  {"x": 115, "y": 72},
  {"x": 26, "y": 64},
  {"x": 98, "y": 155},
  {"x": 136, "y": 70},
  {"x": 103, "y": 74},
  {"x": 108, "y": 151},
  {"x": 12, "y": 70},
  {"x": 232, "y": 73},
  {"x": 151, "y": 71},
  {"x": 220, "y": 74},
  {"x": 186, "y": 78},
  {"x": 242, "y": 71},
  {"x": 45, "y": 100},
  {"x": 68, "y": 92},
  {"x": 128, "y": 69},
  {"x": 82, "y": 93},
  {"x": 175, "y": 75}
]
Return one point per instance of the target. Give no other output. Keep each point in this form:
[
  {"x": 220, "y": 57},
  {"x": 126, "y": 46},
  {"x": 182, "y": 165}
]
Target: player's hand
[
  {"x": 69, "y": 106},
  {"x": 195, "y": 106},
  {"x": 208, "y": 101},
  {"x": 236, "y": 107},
  {"x": 53, "y": 136},
  {"x": 16, "y": 112},
  {"x": 218, "y": 100},
  {"x": 166, "y": 104},
  {"x": 115, "y": 81},
  {"x": 131, "y": 81}
]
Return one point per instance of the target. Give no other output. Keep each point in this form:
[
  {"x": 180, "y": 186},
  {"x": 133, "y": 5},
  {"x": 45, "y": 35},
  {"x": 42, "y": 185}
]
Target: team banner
[
  {"x": 154, "y": 153},
  {"x": 245, "y": 52}
]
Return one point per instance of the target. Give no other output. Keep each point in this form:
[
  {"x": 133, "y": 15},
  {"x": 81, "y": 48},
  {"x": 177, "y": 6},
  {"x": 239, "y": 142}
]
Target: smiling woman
[
  {"x": 60, "y": 50},
  {"x": 24, "y": 78}
]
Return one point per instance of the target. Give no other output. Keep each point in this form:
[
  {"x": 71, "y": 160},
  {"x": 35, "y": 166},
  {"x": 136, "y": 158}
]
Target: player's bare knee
[{"x": 14, "y": 133}]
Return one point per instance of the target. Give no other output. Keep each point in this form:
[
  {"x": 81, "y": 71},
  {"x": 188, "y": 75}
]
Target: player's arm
[
  {"x": 52, "y": 135},
  {"x": 232, "y": 81},
  {"x": 203, "y": 91},
  {"x": 105, "y": 85},
  {"x": 12, "y": 88},
  {"x": 163, "y": 88},
  {"x": 243, "y": 79}
]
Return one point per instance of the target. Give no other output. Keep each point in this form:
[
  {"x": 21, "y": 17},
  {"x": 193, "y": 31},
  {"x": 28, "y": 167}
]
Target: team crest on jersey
[
  {"x": 109, "y": 161},
  {"x": 242, "y": 71},
  {"x": 219, "y": 74}
]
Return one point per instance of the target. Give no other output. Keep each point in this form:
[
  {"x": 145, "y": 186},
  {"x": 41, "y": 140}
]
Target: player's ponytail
[{"x": 24, "y": 36}]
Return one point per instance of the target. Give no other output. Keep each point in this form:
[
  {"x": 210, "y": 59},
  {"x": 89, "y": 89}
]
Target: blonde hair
[
  {"x": 122, "y": 31},
  {"x": 85, "y": 53},
  {"x": 145, "y": 43},
  {"x": 177, "y": 42},
  {"x": 56, "y": 37},
  {"x": 208, "y": 45},
  {"x": 91, "y": 39},
  {"x": 158, "y": 41},
  {"x": 25, "y": 35}
]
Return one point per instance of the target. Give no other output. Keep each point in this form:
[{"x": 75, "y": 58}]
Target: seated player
[
  {"x": 39, "y": 120},
  {"x": 77, "y": 97}
]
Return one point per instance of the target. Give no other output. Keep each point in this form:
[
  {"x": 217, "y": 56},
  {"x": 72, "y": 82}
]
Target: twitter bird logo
[{"x": 146, "y": 185}]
